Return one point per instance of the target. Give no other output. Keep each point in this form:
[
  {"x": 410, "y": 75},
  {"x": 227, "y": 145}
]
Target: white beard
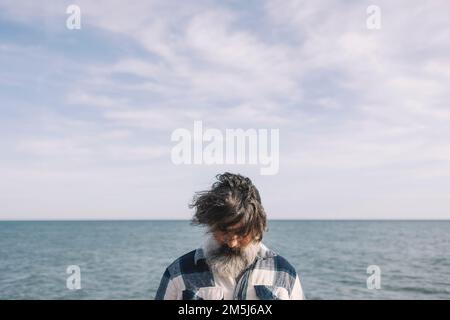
[{"x": 228, "y": 265}]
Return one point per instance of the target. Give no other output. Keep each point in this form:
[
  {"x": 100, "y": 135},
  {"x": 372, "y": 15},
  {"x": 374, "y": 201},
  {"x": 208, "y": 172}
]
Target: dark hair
[{"x": 232, "y": 199}]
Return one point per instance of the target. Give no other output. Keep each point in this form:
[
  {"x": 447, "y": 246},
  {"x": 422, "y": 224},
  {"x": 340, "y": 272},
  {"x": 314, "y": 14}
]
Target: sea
[{"x": 126, "y": 259}]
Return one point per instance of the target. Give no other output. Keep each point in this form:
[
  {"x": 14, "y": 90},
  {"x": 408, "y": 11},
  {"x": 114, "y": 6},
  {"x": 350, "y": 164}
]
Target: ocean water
[{"x": 125, "y": 259}]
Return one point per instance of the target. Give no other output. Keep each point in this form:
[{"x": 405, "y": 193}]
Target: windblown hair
[{"x": 232, "y": 199}]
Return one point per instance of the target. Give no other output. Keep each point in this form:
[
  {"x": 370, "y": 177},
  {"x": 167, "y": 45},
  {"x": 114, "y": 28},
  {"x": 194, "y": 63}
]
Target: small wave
[{"x": 423, "y": 290}]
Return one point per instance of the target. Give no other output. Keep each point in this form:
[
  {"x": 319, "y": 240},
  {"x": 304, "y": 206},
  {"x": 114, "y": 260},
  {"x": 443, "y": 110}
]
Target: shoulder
[
  {"x": 281, "y": 264},
  {"x": 277, "y": 271},
  {"x": 277, "y": 262},
  {"x": 184, "y": 264}
]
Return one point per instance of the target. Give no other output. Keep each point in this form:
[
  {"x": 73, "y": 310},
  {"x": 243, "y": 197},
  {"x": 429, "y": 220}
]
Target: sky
[{"x": 86, "y": 115}]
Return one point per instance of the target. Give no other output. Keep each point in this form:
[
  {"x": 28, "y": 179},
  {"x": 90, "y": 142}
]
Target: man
[{"x": 233, "y": 263}]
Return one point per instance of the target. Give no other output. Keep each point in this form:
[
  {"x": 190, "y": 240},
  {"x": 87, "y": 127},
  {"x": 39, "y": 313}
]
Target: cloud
[
  {"x": 349, "y": 102},
  {"x": 53, "y": 147},
  {"x": 103, "y": 101}
]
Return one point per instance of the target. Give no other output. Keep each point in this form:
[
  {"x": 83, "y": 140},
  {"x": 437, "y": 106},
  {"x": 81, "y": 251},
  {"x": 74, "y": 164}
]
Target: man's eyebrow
[{"x": 234, "y": 228}]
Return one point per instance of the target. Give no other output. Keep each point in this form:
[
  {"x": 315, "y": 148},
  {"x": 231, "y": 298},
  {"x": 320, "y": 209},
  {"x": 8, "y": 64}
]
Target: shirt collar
[{"x": 199, "y": 255}]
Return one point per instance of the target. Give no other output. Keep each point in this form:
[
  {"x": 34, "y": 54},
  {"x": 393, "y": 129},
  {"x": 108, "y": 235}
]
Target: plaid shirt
[{"x": 269, "y": 277}]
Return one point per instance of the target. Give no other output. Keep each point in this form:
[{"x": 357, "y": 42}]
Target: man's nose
[{"x": 233, "y": 242}]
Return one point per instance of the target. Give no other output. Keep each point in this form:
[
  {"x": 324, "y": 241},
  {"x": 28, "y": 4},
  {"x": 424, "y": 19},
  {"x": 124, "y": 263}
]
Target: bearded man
[{"x": 232, "y": 263}]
